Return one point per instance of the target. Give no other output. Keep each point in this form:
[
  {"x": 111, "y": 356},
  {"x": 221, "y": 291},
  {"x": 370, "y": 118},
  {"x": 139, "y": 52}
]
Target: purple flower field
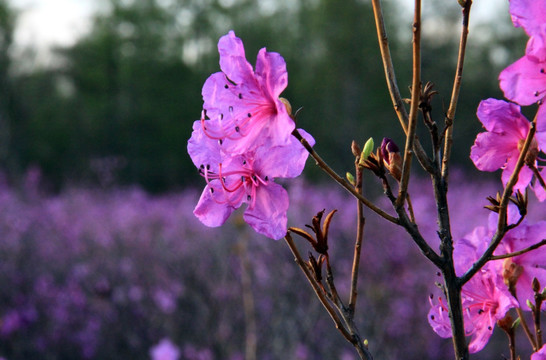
[{"x": 120, "y": 274}]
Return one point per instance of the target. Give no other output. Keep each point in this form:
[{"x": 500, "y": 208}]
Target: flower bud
[
  {"x": 536, "y": 285},
  {"x": 355, "y": 149},
  {"x": 511, "y": 273},
  {"x": 287, "y": 105},
  {"x": 391, "y": 158},
  {"x": 350, "y": 178},
  {"x": 368, "y": 148}
]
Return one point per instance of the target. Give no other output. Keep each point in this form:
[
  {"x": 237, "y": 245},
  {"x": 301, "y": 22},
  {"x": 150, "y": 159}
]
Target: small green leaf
[{"x": 368, "y": 148}]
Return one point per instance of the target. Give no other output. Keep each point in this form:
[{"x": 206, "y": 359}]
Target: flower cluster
[
  {"x": 488, "y": 296},
  {"x": 244, "y": 140},
  {"x": 523, "y": 82},
  {"x": 504, "y": 284}
]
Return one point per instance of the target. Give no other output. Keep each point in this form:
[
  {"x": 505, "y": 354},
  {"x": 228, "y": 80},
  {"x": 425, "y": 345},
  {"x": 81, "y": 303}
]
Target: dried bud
[
  {"x": 391, "y": 158},
  {"x": 495, "y": 203},
  {"x": 355, "y": 149},
  {"x": 320, "y": 240},
  {"x": 287, "y": 105},
  {"x": 368, "y": 148},
  {"x": 521, "y": 201},
  {"x": 316, "y": 266},
  {"x": 511, "y": 273},
  {"x": 506, "y": 323}
]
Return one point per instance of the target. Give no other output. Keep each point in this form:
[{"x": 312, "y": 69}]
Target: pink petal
[
  {"x": 524, "y": 82},
  {"x": 203, "y": 150},
  {"x": 529, "y": 14},
  {"x": 216, "y": 96},
  {"x": 540, "y": 192},
  {"x": 490, "y": 151},
  {"x": 209, "y": 210},
  {"x": 525, "y": 175},
  {"x": 285, "y": 161},
  {"x": 480, "y": 338},
  {"x": 541, "y": 127},
  {"x": 438, "y": 319},
  {"x": 540, "y": 355},
  {"x": 271, "y": 73},
  {"x": 503, "y": 117},
  {"x": 267, "y": 213},
  {"x": 232, "y": 59}
]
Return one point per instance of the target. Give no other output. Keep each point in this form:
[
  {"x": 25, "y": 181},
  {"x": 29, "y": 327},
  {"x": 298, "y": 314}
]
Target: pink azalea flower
[
  {"x": 540, "y": 354},
  {"x": 532, "y": 264},
  {"x": 235, "y": 179},
  {"x": 499, "y": 147},
  {"x": 524, "y": 81},
  {"x": 243, "y": 104},
  {"x": 485, "y": 298},
  {"x": 531, "y": 16}
]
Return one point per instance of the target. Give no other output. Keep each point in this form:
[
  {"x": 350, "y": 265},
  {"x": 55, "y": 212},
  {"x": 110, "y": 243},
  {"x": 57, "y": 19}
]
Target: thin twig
[
  {"x": 331, "y": 285},
  {"x": 536, "y": 314},
  {"x": 414, "y": 107},
  {"x": 392, "y": 84},
  {"x": 520, "y": 252},
  {"x": 341, "y": 181},
  {"x": 526, "y": 329},
  {"x": 358, "y": 242},
  {"x": 318, "y": 291},
  {"x": 350, "y": 335},
  {"x": 450, "y": 116}
]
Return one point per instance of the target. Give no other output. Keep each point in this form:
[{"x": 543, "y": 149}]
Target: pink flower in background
[
  {"x": 485, "y": 297},
  {"x": 532, "y": 264},
  {"x": 499, "y": 147},
  {"x": 243, "y": 104},
  {"x": 540, "y": 354},
  {"x": 246, "y": 178},
  {"x": 165, "y": 350},
  {"x": 524, "y": 81},
  {"x": 531, "y": 16}
]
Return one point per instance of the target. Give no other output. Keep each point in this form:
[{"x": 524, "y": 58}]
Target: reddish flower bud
[{"x": 391, "y": 157}]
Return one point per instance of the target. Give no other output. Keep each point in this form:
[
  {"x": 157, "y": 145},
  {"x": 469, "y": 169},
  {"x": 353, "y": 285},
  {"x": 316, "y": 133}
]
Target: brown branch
[
  {"x": 450, "y": 116},
  {"x": 353, "y": 337},
  {"x": 316, "y": 287},
  {"x": 358, "y": 242},
  {"x": 526, "y": 329},
  {"x": 520, "y": 252},
  {"x": 392, "y": 84},
  {"x": 414, "y": 107}
]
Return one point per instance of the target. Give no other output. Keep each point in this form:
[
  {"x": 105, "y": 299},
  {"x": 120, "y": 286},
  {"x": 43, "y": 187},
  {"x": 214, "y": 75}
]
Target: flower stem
[
  {"x": 359, "y": 236},
  {"x": 414, "y": 107},
  {"x": 345, "y": 323}
]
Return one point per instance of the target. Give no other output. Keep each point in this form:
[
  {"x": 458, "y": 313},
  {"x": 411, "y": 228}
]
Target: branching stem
[{"x": 341, "y": 181}]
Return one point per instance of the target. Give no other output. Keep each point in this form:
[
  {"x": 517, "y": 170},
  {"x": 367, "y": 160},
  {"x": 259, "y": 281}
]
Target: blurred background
[
  {"x": 100, "y": 255},
  {"x": 104, "y": 92}
]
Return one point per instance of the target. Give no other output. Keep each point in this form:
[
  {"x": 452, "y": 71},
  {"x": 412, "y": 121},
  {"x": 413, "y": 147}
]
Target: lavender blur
[{"x": 92, "y": 274}]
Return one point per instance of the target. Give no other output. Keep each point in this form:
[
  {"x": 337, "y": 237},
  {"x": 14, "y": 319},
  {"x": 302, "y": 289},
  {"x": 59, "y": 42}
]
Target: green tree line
[{"x": 118, "y": 105}]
